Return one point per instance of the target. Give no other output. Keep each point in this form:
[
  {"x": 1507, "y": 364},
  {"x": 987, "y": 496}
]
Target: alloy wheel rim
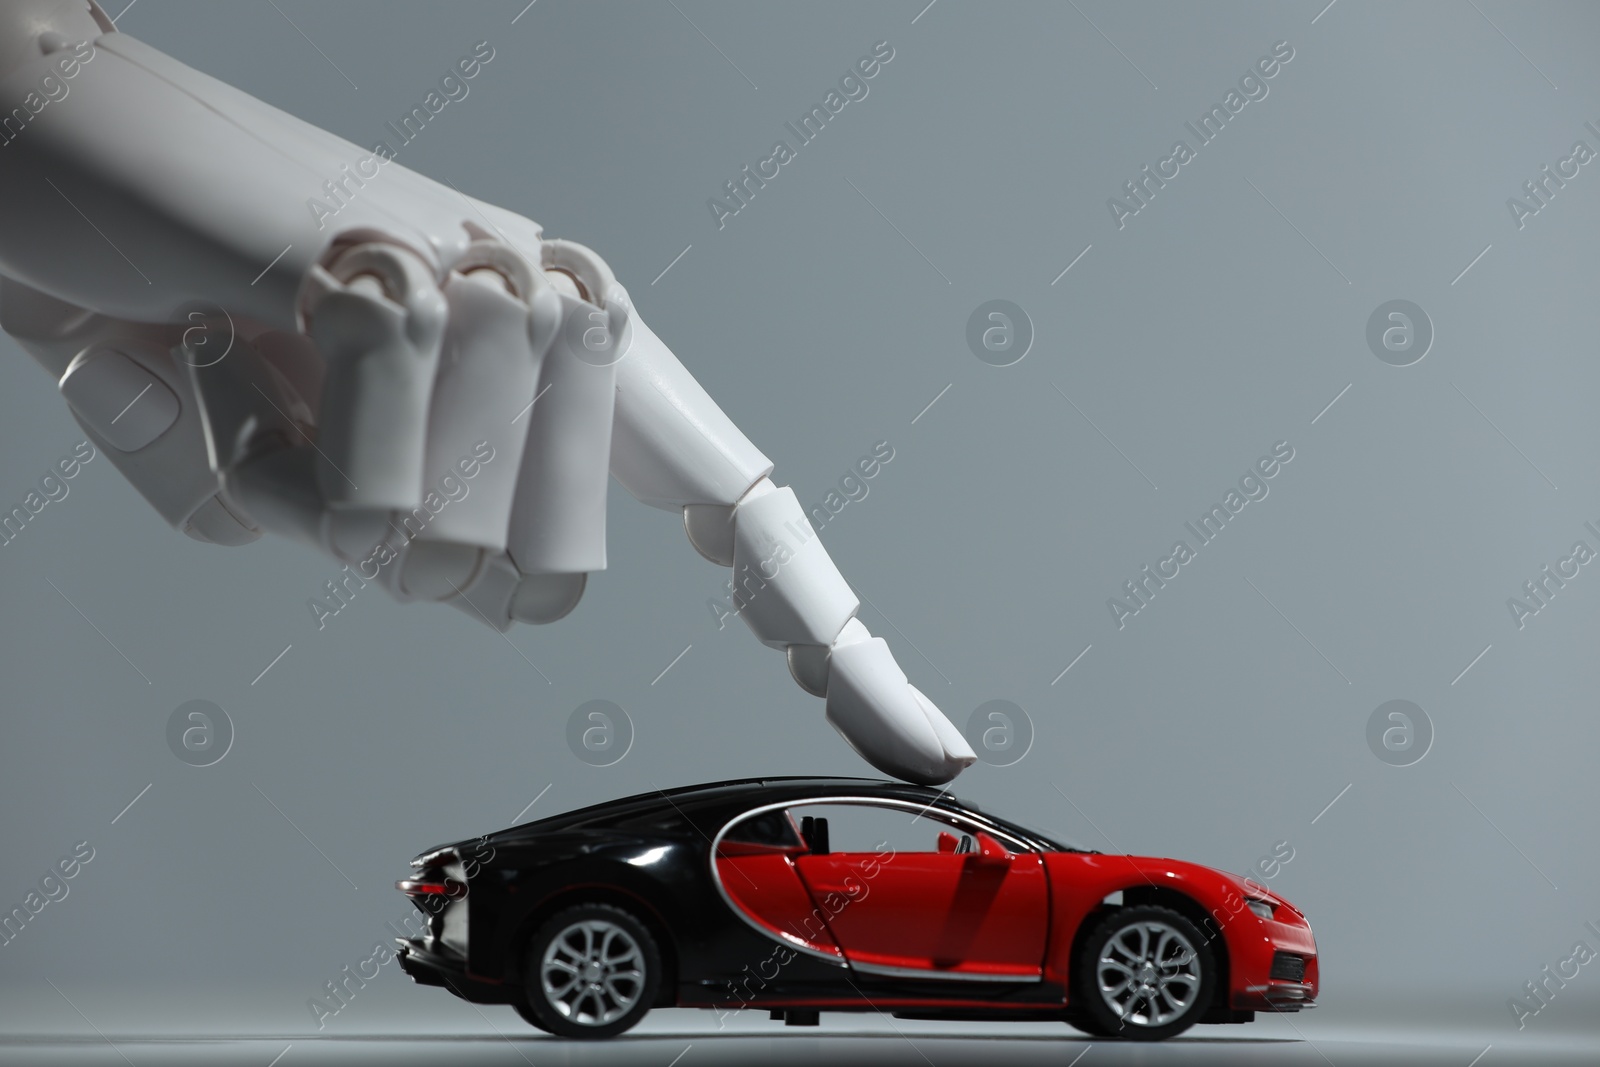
[
  {"x": 1148, "y": 974},
  {"x": 592, "y": 972}
]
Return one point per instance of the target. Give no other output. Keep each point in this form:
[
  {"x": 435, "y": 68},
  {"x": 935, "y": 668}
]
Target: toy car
[{"x": 799, "y": 895}]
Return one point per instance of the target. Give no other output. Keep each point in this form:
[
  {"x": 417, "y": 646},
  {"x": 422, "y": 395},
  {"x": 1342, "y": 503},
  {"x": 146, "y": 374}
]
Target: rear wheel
[
  {"x": 1144, "y": 973},
  {"x": 529, "y": 1017},
  {"x": 592, "y": 971}
]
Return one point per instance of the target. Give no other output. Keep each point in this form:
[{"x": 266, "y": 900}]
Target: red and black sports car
[{"x": 799, "y": 895}]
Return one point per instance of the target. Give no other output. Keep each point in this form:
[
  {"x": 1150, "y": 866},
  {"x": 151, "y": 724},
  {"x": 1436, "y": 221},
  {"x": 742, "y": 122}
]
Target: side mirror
[
  {"x": 947, "y": 843},
  {"x": 991, "y": 851}
]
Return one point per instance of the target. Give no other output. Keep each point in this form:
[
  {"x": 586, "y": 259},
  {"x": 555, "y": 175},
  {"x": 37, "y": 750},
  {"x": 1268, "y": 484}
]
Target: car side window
[
  {"x": 768, "y": 830},
  {"x": 857, "y": 828}
]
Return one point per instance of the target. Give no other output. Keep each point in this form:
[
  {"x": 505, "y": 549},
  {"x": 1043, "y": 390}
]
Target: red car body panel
[
  {"x": 764, "y": 884},
  {"x": 1079, "y": 881},
  {"x": 936, "y": 912}
]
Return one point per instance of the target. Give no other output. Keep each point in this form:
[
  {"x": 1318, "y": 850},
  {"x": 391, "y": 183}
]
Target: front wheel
[
  {"x": 1144, "y": 973},
  {"x": 1082, "y": 1020},
  {"x": 592, "y": 971}
]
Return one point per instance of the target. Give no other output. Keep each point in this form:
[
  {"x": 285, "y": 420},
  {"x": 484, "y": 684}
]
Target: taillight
[{"x": 423, "y": 888}]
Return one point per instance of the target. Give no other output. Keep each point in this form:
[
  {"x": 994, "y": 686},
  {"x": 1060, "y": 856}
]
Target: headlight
[{"x": 1260, "y": 907}]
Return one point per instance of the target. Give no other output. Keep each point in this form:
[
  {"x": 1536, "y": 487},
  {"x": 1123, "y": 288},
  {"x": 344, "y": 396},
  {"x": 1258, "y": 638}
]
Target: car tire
[
  {"x": 1144, "y": 973},
  {"x": 1081, "y": 1021},
  {"x": 529, "y": 1017},
  {"x": 591, "y": 971}
]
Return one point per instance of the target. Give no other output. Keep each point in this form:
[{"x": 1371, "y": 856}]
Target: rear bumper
[{"x": 429, "y": 963}]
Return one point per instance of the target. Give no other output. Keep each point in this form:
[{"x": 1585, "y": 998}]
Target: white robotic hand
[{"x": 268, "y": 328}]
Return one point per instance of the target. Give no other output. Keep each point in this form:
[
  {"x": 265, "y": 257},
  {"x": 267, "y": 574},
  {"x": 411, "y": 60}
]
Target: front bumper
[
  {"x": 1276, "y": 995},
  {"x": 1259, "y": 985}
]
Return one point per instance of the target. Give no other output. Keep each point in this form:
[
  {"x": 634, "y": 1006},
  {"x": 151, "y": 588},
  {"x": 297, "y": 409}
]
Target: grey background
[{"x": 1212, "y": 326}]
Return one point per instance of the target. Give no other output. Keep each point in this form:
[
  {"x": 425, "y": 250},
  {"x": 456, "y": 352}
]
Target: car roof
[
  {"x": 735, "y": 792},
  {"x": 710, "y": 803}
]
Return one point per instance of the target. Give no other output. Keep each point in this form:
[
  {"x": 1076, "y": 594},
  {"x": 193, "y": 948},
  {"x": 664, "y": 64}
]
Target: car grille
[{"x": 1289, "y": 967}]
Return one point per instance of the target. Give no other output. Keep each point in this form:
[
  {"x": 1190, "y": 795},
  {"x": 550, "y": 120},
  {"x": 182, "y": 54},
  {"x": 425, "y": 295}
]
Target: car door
[
  {"x": 753, "y": 866},
  {"x": 900, "y": 899}
]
